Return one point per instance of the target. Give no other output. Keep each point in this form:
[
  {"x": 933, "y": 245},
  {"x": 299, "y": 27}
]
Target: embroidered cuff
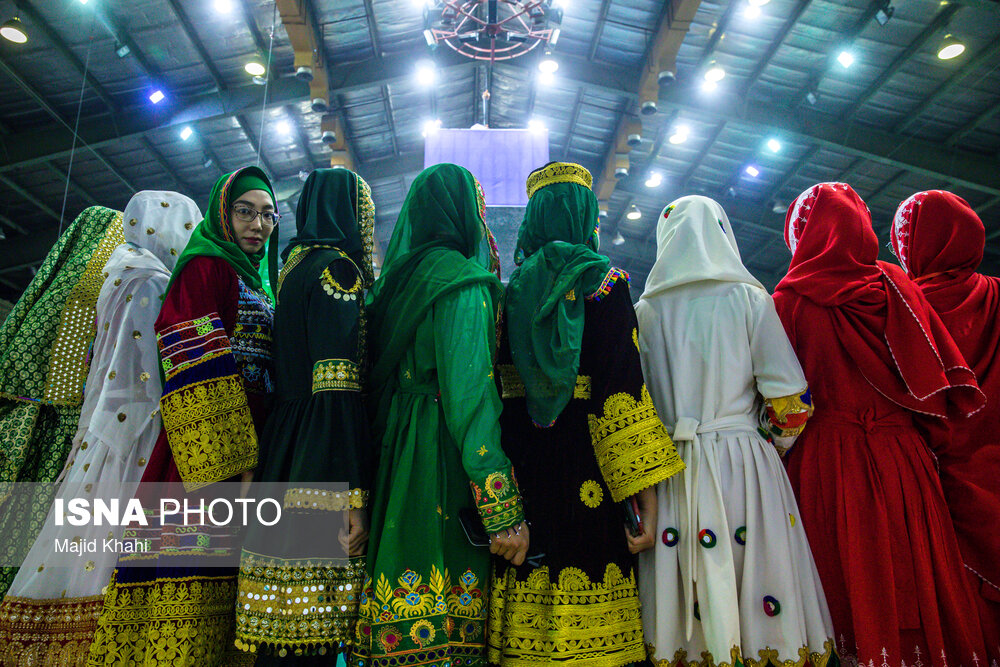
[
  {"x": 185, "y": 345},
  {"x": 498, "y": 501},
  {"x": 336, "y": 375},
  {"x": 787, "y": 415},
  {"x": 210, "y": 430},
  {"x": 632, "y": 447},
  {"x": 329, "y": 501}
]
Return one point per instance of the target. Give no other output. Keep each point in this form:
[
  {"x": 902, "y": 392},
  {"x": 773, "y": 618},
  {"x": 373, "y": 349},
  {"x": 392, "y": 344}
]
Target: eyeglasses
[{"x": 247, "y": 214}]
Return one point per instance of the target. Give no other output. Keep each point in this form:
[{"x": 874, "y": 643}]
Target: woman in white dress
[
  {"x": 731, "y": 577},
  {"x": 50, "y": 612}
]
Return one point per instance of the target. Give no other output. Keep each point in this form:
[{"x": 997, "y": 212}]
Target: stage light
[
  {"x": 773, "y": 145},
  {"x": 426, "y": 73},
  {"x": 156, "y": 96},
  {"x": 548, "y": 65},
  {"x": 752, "y": 171},
  {"x": 431, "y": 126},
  {"x": 680, "y": 134},
  {"x": 13, "y": 31},
  {"x": 186, "y": 133},
  {"x": 633, "y": 212},
  {"x": 950, "y": 48},
  {"x": 846, "y": 59},
  {"x": 654, "y": 180},
  {"x": 254, "y": 68},
  {"x": 715, "y": 73}
]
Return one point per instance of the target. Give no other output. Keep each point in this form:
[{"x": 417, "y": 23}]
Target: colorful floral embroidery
[
  {"x": 787, "y": 415},
  {"x": 608, "y": 283},
  {"x": 498, "y": 501},
  {"x": 252, "y": 340},
  {"x": 632, "y": 446}
]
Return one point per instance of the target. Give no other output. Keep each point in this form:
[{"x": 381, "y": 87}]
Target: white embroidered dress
[
  {"x": 51, "y": 609},
  {"x": 731, "y": 576}
]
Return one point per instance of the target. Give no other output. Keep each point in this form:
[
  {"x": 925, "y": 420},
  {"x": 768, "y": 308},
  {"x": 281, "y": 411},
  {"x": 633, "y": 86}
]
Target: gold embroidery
[
  {"x": 788, "y": 414},
  {"x": 538, "y": 621},
  {"x": 335, "y": 289},
  {"x": 289, "y": 603},
  {"x": 47, "y": 632},
  {"x": 632, "y": 447},
  {"x": 512, "y": 386},
  {"x": 328, "y": 501},
  {"x": 68, "y": 361},
  {"x": 558, "y": 172},
  {"x": 635, "y": 338},
  {"x": 171, "y": 621},
  {"x": 482, "y": 451},
  {"x": 767, "y": 657},
  {"x": 336, "y": 375},
  {"x": 571, "y": 295},
  {"x": 591, "y": 494},
  {"x": 210, "y": 431},
  {"x": 298, "y": 254}
]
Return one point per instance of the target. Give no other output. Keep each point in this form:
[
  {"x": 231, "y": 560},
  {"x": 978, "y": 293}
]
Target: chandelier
[{"x": 492, "y": 29}]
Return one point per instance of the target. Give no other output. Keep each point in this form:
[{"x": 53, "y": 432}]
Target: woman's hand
[
  {"x": 647, "y": 512},
  {"x": 511, "y": 544},
  {"x": 354, "y": 536}
]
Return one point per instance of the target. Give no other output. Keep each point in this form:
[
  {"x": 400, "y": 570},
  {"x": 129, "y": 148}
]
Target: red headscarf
[
  {"x": 939, "y": 240},
  {"x": 886, "y": 325}
]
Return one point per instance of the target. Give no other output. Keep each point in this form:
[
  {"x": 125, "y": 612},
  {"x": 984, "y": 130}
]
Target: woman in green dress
[
  {"x": 44, "y": 346},
  {"x": 317, "y": 434},
  {"x": 433, "y": 316}
]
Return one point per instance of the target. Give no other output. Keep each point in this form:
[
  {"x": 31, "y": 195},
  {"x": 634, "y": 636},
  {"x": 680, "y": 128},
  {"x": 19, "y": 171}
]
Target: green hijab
[
  {"x": 336, "y": 212},
  {"x": 214, "y": 236},
  {"x": 440, "y": 244},
  {"x": 558, "y": 267}
]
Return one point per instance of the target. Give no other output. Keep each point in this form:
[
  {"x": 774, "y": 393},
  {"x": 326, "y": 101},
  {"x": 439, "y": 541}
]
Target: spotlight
[
  {"x": 303, "y": 74},
  {"x": 122, "y": 50},
  {"x": 715, "y": 73},
  {"x": 621, "y": 172},
  {"x": 548, "y": 65},
  {"x": 633, "y": 212},
  {"x": 431, "y": 126},
  {"x": 885, "y": 13},
  {"x": 752, "y": 171},
  {"x": 319, "y": 105},
  {"x": 680, "y": 134},
  {"x": 846, "y": 59},
  {"x": 950, "y": 48},
  {"x": 426, "y": 73},
  {"x": 648, "y": 108},
  {"x": 328, "y": 137},
  {"x": 666, "y": 77},
  {"x": 618, "y": 239},
  {"x": 429, "y": 37},
  {"x": 633, "y": 139},
  {"x": 283, "y": 128},
  {"x": 13, "y": 31},
  {"x": 654, "y": 180},
  {"x": 546, "y": 78},
  {"x": 773, "y": 145},
  {"x": 223, "y": 6},
  {"x": 254, "y": 68},
  {"x": 778, "y": 207},
  {"x": 156, "y": 96},
  {"x": 186, "y": 133},
  {"x": 536, "y": 125}
]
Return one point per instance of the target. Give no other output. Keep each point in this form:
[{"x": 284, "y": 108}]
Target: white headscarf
[
  {"x": 695, "y": 243},
  {"x": 157, "y": 227}
]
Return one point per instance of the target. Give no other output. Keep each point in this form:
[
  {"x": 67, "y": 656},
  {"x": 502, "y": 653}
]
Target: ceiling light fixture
[
  {"x": 13, "y": 31},
  {"x": 431, "y": 126},
  {"x": 122, "y": 50},
  {"x": 752, "y": 171},
  {"x": 548, "y": 64},
  {"x": 156, "y": 96},
  {"x": 715, "y": 73},
  {"x": 680, "y": 134},
  {"x": 773, "y": 145},
  {"x": 752, "y": 11},
  {"x": 618, "y": 239},
  {"x": 283, "y": 128},
  {"x": 654, "y": 180},
  {"x": 758, "y": 3},
  {"x": 223, "y": 6},
  {"x": 846, "y": 59},
  {"x": 426, "y": 73},
  {"x": 885, "y": 13},
  {"x": 536, "y": 125},
  {"x": 633, "y": 212},
  {"x": 547, "y": 78},
  {"x": 709, "y": 86},
  {"x": 254, "y": 68},
  {"x": 186, "y": 133},
  {"x": 950, "y": 48}
]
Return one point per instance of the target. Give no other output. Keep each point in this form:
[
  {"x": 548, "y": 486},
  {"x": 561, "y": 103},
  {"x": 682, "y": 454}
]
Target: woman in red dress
[
  {"x": 939, "y": 241},
  {"x": 878, "y": 360}
]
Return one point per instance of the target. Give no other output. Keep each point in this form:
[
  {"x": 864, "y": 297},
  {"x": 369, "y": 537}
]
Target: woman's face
[{"x": 252, "y": 216}]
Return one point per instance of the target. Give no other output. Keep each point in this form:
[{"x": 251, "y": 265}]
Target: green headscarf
[
  {"x": 336, "y": 211},
  {"x": 558, "y": 268},
  {"x": 214, "y": 237},
  {"x": 440, "y": 244}
]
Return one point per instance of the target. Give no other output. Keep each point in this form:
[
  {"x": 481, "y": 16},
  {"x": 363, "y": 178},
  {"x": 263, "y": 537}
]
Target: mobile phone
[
  {"x": 472, "y": 526},
  {"x": 633, "y": 520}
]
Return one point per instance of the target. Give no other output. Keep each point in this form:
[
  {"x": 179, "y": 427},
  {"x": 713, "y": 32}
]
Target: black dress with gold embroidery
[
  {"x": 579, "y": 602},
  {"x": 317, "y": 434}
]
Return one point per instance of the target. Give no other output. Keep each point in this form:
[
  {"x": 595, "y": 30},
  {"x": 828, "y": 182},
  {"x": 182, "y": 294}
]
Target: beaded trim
[
  {"x": 609, "y": 282},
  {"x": 302, "y": 498},
  {"x": 558, "y": 172}
]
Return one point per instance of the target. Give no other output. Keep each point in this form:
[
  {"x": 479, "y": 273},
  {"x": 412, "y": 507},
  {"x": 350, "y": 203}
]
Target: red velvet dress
[
  {"x": 940, "y": 240},
  {"x": 876, "y": 358}
]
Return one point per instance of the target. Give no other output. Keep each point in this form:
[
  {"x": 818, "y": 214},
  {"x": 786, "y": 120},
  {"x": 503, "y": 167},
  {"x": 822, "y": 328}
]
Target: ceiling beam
[
  {"x": 772, "y": 49},
  {"x": 599, "y": 29},
  {"x": 254, "y": 144},
  {"x": 30, "y": 198},
  {"x": 73, "y": 185}
]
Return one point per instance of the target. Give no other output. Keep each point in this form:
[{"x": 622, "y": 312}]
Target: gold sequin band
[
  {"x": 512, "y": 386},
  {"x": 327, "y": 501},
  {"x": 336, "y": 375},
  {"x": 633, "y": 448},
  {"x": 297, "y": 606},
  {"x": 558, "y": 172},
  {"x": 47, "y": 632}
]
